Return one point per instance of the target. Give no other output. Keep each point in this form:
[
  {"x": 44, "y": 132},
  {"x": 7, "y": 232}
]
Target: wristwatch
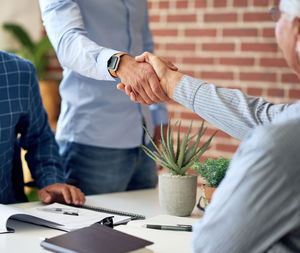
[{"x": 113, "y": 63}]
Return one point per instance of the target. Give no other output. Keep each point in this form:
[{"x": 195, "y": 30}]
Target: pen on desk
[
  {"x": 60, "y": 210},
  {"x": 179, "y": 227}
]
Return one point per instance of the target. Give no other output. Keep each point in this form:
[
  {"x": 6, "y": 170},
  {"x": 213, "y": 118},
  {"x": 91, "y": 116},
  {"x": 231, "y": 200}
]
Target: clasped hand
[{"x": 150, "y": 79}]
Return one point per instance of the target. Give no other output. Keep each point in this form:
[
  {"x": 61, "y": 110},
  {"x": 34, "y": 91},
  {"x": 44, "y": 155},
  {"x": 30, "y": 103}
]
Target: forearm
[{"x": 230, "y": 110}]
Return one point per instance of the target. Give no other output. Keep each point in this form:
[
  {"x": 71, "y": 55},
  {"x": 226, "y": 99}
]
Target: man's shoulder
[{"x": 11, "y": 63}]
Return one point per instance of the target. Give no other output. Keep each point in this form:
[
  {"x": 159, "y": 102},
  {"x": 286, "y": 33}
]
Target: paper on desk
[
  {"x": 164, "y": 240},
  {"x": 54, "y": 220},
  {"x": 70, "y": 222}
]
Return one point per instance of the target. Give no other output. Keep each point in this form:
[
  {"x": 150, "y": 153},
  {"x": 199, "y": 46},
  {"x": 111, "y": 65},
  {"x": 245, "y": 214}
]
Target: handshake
[{"x": 147, "y": 79}]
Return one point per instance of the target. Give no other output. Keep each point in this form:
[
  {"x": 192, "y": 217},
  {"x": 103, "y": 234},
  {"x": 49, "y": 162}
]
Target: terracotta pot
[
  {"x": 177, "y": 194},
  {"x": 206, "y": 196},
  {"x": 51, "y": 100}
]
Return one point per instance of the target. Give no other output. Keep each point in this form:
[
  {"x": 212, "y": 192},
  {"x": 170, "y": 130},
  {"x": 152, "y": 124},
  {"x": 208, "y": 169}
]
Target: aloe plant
[
  {"x": 33, "y": 51},
  {"x": 187, "y": 151}
]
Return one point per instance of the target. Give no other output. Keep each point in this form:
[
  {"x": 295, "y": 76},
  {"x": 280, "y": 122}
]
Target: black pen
[{"x": 179, "y": 227}]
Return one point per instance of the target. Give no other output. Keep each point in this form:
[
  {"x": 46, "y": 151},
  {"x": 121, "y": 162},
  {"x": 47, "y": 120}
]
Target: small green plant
[
  {"x": 187, "y": 151},
  {"x": 213, "y": 171},
  {"x": 33, "y": 51}
]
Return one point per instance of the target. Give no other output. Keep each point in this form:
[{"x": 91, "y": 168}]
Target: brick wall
[{"x": 226, "y": 42}]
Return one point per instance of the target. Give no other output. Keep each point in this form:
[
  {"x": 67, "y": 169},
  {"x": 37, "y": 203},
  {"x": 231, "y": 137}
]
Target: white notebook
[{"x": 57, "y": 216}]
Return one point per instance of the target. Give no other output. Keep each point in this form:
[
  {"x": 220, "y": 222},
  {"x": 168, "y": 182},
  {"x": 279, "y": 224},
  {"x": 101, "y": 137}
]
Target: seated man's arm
[
  {"x": 42, "y": 155},
  {"x": 257, "y": 203}
]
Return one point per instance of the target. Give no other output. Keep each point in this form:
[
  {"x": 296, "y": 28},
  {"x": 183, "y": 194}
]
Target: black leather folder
[{"x": 92, "y": 239}]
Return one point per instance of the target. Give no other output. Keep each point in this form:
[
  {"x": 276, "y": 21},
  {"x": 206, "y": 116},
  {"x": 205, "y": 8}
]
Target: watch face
[{"x": 113, "y": 63}]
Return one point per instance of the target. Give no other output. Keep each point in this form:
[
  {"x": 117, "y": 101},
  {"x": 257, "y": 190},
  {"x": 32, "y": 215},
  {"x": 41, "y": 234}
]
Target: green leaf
[
  {"x": 20, "y": 34},
  {"x": 183, "y": 147}
]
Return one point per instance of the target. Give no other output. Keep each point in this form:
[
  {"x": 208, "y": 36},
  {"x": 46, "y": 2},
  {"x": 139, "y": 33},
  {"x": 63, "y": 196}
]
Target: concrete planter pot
[{"x": 177, "y": 194}]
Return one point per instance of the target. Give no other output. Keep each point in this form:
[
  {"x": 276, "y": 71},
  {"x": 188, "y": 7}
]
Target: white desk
[{"x": 27, "y": 237}]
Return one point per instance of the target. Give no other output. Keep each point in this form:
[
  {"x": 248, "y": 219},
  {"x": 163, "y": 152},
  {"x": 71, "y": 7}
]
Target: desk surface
[{"x": 27, "y": 237}]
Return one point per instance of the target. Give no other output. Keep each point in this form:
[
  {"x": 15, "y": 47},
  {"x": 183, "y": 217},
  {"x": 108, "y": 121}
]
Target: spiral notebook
[{"x": 134, "y": 216}]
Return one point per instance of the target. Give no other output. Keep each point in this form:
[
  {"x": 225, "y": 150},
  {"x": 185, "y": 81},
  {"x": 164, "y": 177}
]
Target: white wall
[{"x": 25, "y": 12}]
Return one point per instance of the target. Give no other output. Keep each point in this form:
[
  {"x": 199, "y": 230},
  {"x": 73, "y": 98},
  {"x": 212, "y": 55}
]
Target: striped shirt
[
  {"x": 21, "y": 112},
  {"x": 256, "y": 208}
]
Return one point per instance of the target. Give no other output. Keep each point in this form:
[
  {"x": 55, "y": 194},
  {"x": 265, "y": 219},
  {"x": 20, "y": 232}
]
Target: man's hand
[
  {"x": 142, "y": 79},
  {"x": 166, "y": 72},
  {"x": 62, "y": 193}
]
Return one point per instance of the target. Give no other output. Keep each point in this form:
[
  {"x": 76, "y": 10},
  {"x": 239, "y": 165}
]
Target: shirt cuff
[
  {"x": 186, "y": 91},
  {"x": 49, "y": 181},
  {"x": 102, "y": 63},
  {"x": 159, "y": 114}
]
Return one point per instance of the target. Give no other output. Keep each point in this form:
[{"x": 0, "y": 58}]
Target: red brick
[
  {"x": 240, "y": 32},
  {"x": 181, "y": 4},
  {"x": 220, "y": 3},
  {"x": 197, "y": 60},
  {"x": 165, "y": 32},
  {"x": 182, "y": 18},
  {"x": 149, "y": 5},
  {"x": 218, "y": 46},
  {"x": 254, "y": 76},
  {"x": 269, "y": 32},
  {"x": 273, "y": 62},
  {"x": 190, "y": 116},
  {"x": 259, "y": 47},
  {"x": 216, "y": 75},
  {"x": 237, "y": 61},
  {"x": 200, "y": 32},
  {"x": 226, "y": 147},
  {"x": 200, "y": 3},
  {"x": 275, "y": 92},
  {"x": 154, "y": 18},
  {"x": 181, "y": 46},
  {"x": 254, "y": 91},
  {"x": 290, "y": 78},
  {"x": 293, "y": 93},
  {"x": 261, "y": 2},
  {"x": 163, "y": 5},
  {"x": 220, "y": 17},
  {"x": 240, "y": 3},
  {"x": 255, "y": 17}
]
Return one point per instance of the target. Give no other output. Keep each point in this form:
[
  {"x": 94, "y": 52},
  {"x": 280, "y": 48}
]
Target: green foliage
[
  {"x": 33, "y": 51},
  {"x": 187, "y": 151},
  {"x": 213, "y": 171}
]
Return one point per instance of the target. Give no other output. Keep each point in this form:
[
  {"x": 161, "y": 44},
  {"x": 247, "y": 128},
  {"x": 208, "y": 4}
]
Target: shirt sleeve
[
  {"x": 38, "y": 139},
  {"x": 256, "y": 205},
  {"x": 66, "y": 31},
  {"x": 228, "y": 109},
  {"x": 159, "y": 114}
]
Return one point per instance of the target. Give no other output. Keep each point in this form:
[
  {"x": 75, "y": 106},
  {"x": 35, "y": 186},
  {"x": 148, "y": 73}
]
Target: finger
[
  {"x": 142, "y": 57},
  {"x": 121, "y": 87},
  {"x": 171, "y": 66},
  {"x": 128, "y": 90},
  {"x": 138, "y": 99},
  {"x": 74, "y": 197},
  {"x": 44, "y": 196},
  {"x": 81, "y": 196},
  {"x": 144, "y": 89},
  {"x": 66, "y": 194},
  {"x": 157, "y": 89}
]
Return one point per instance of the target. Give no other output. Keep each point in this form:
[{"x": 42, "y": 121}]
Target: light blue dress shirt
[
  {"x": 85, "y": 34},
  {"x": 256, "y": 208}
]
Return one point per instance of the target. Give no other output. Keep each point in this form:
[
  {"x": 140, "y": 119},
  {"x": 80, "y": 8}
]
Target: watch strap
[{"x": 113, "y": 71}]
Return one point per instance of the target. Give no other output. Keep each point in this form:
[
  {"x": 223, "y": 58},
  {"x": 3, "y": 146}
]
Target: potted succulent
[
  {"x": 38, "y": 53},
  {"x": 177, "y": 189},
  {"x": 213, "y": 171}
]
